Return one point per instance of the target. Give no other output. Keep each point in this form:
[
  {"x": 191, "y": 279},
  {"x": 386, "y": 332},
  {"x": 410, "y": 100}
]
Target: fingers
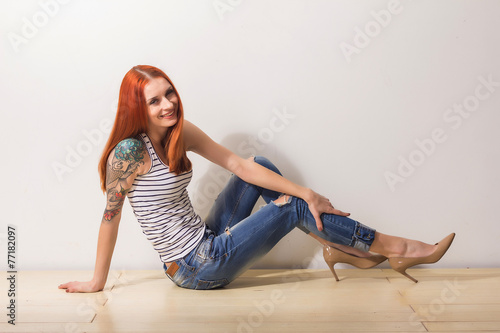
[
  {"x": 70, "y": 287},
  {"x": 319, "y": 223},
  {"x": 320, "y": 205},
  {"x": 64, "y": 285},
  {"x": 333, "y": 210},
  {"x": 339, "y": 212}
]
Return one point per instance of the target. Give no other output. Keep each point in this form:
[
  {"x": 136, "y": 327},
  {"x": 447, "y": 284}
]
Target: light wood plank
[
  {"x": 375, "y": 300},
  {"x": 462, "y": 326},
  {"x": 214, "y": 327}
]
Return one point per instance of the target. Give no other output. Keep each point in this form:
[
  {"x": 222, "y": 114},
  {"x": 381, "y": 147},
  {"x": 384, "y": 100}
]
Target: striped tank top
[{"x": 161, "y": 204}]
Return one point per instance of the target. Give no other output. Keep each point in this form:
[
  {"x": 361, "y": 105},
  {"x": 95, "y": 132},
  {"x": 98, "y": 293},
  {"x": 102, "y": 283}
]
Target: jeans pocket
[
  {"x": 204, "y": 249},
  {"x": 184, "y": 274},
  {"x": 205, "y": 284}
]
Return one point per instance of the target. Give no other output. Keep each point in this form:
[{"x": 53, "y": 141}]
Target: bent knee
[
  {"x": 282, "y": 200},
  {"x": 266, "y": 163}
]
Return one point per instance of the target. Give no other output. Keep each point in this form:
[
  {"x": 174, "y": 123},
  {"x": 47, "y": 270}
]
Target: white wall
[{"x": 296, "y": 81}]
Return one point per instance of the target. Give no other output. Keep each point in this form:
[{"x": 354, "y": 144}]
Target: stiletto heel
[
  {"x": 401, "y": 264},
  {"x": 335, "y": 256},
  {"x": 403, "y": 272},
  {"x": 330, "y": 265}
]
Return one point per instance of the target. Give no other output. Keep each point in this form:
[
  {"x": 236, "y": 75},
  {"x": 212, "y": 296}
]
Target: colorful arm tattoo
[{"x": 128, "y": 156}]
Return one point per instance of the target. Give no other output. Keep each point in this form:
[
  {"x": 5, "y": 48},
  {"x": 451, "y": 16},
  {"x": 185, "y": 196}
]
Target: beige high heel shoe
[
  {"x": 400, "y": 264},
  {"x": 334, "y": 256}
]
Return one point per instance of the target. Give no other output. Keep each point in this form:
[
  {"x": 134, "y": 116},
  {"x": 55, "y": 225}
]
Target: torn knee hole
[{"x": 283, "y": 199}]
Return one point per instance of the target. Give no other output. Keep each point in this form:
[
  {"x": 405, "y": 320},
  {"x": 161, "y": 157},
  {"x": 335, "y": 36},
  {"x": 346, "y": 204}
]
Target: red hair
[{"x": 131, "y": 120}]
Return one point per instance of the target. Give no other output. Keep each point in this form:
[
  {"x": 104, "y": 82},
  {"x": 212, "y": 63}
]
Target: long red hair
[{"x": 132, "y": 119}]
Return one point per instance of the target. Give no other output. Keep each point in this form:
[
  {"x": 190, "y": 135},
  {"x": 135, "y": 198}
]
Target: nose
[{"x": 166, "y": 104}]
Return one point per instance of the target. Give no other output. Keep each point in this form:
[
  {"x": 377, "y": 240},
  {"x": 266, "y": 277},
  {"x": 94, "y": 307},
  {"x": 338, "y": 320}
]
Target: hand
[
  {"x": 318, "y": 205},
  {"x": 80, "y": 287}
]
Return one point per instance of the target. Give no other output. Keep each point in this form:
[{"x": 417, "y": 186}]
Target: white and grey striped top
[{"x": 161, "y": 204}]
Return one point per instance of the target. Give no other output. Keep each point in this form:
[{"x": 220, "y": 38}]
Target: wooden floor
[{"x": 375, "y": 300}]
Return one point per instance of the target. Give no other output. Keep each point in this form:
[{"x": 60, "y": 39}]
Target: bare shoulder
[
  {"x": 130, "y": 150},
  {"x": 197, "y": 141},
  {"x": 189, "y": 128},
  {"x": 193, "y": 136},
  {"x": 127, "y": 158},
  {"x": 125, "y": 162}
]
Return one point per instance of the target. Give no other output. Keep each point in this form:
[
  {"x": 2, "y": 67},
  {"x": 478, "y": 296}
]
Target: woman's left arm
[{"x": 197, "y": 141}]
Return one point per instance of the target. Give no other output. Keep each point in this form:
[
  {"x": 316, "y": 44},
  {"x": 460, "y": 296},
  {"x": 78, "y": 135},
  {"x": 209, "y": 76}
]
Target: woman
[{"x": 145, "y": 160}]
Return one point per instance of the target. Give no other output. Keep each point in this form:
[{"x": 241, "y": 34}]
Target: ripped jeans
[{"x": 234, "y": 240}]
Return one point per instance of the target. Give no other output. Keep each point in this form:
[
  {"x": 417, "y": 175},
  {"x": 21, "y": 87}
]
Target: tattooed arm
[
  {"x": 123, "y": 165},
  {"x": 126, "y": 161}
]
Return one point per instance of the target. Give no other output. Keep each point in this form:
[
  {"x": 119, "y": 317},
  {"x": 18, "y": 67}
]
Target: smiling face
[{"x": 163, "y": 104}]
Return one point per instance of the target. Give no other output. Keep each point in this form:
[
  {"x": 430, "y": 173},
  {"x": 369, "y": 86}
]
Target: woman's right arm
[{"x": 125, "y": 162}]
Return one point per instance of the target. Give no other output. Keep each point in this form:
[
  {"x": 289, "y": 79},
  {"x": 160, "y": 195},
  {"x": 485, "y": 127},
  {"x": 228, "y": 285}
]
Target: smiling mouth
[{"x": 168, "y": 115}]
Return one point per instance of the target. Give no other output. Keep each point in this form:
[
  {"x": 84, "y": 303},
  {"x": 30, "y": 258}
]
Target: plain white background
[{"x": 344, "y": 96}]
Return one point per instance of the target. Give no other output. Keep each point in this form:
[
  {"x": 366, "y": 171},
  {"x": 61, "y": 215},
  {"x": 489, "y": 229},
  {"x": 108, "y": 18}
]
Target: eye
[
  {"x": 153, "y": 101},
  {"x": 170, "y": 91}
]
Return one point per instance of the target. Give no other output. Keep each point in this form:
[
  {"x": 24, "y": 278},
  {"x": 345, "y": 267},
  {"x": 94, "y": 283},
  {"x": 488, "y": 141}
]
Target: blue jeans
[{"x": 234, "y": 239}]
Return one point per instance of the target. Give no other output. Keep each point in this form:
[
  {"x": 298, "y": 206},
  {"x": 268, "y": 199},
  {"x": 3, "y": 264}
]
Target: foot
[
  {"x": 427, "y": 254},
  {"x": 412, "y": 249},
  {"x": 351, "y": 250}
]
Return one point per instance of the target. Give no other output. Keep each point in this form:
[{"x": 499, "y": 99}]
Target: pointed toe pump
[
  {"x": 334, "y": 256},
  {"x": 401, "y": 264}
]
